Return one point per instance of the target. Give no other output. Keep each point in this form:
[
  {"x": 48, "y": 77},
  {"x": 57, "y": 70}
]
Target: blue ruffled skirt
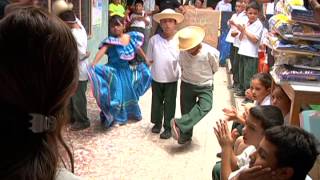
[{"x": 117, "y": 90}]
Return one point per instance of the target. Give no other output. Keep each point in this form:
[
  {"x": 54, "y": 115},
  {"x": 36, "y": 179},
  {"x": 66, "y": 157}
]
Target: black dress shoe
[
  {"x": 77, "y": 126},
  {"x": 166, "y": 134},
  {"x": 156, "y": 128},
  {"x": 219, "y": 155},
  {"x": 182, "y": 140},
  {"x": 246, "y": 101},
  {"x": 230, "y": 86},
  {"x": 240, "y": 93}
]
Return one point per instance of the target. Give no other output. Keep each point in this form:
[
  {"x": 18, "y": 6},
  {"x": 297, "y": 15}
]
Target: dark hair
[
  {"x": 264, "y": 78},
  {"x": 38, "y": 74},
  {"x": 269, "y": 116},
  {"x": 116, "y": 20},
  {"x": 138, "y": 2},
  {"x": 253, "y": 5},
  {"x": 68, "y": 16},
  {"x": 296, "y": 148}
]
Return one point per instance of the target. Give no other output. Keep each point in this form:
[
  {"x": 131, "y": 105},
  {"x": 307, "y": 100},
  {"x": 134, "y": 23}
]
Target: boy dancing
[{"x": 198, "y": 62}]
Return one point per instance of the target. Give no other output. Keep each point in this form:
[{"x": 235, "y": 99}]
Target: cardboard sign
[{"x": 208, "y": 19}]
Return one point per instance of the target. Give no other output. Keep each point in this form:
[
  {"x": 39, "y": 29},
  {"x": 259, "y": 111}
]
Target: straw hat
[
  {"x": 168, "y": 14},
  {"x": 60, "y": 5},
  {"x": 189, "y": 37}
]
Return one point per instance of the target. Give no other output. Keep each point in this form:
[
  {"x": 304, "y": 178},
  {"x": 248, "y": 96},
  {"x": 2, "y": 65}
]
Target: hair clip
[{"x": 41, "y": 123}]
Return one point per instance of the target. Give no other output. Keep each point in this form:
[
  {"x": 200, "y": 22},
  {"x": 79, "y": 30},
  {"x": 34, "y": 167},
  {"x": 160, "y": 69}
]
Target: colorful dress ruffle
[{"x": 116, "y": 85}]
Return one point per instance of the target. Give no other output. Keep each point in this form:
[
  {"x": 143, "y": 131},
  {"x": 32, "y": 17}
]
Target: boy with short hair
[
  {"x": 285, "y": 153},
  {"x": 139, "y": 19},
  {"x": 78, "y": 102},
  {"x": 250, "y": 36},
  {"x": 163, "y": 52},
  {"x": 198, "y": 62},
  {"x": 260, "y": 118},
  {"x": 231, "y": 38}
]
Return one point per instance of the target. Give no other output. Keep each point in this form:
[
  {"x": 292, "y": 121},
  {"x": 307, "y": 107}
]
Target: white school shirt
[
  {"x": 222, "y": 6},
  {"x": 165, "y": 54},
  {"x": 242, "y": 18},
  {"x": 236, "y": 173},
  {"x": 248, "y": 48},
  {"x": 286, "y": 119},
  {"x": 199, "y": 69},
  {"x": 80, "y": 35},
  {"x": 64, "y": 174},
  {"x": 270, "y": 8},
  {"x": 243, "y": 158},
  {"x": 137, "y": 23},
  {"x": 265, "y": 102},
  {"x": 149, "y": 6},
  {"x": 229, "y": 38}
]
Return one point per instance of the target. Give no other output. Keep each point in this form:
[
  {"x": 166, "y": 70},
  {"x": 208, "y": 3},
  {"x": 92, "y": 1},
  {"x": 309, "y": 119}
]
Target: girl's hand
[
  {"x": 223, "y": 134},
  {"x": 231, "y": 114},
  {"x": 149, "y": 62}
]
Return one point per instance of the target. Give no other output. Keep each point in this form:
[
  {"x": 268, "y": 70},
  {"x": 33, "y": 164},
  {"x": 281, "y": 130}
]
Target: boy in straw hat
[
  {"x": 163, "y": 53},
  {"x": 198, "y": 62}
]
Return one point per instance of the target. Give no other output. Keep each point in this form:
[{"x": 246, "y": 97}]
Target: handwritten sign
[{"x": 208, "y": 19}]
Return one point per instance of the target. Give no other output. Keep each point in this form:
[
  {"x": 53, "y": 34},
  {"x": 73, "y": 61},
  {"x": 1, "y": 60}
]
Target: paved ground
[{"x": 132, "y": 152}]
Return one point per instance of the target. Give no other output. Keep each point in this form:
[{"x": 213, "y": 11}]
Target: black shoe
[
  {"x": 77, "y": 126},
  {"x": 240, "y": 93},
  {"x": 246, "y": 101},
  {"x": 230, "y": 87},
  {"x": 166, "y": 134},
  {"x": 156, "y": 128},
  {"x": 222, "y": 65},
  {"x": 182, "y": 140},
  {"x": 219, "y": 155}
]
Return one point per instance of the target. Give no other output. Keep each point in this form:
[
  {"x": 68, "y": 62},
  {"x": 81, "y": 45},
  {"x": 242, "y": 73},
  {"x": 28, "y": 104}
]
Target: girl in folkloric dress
[{"x": 117, "y": 85}]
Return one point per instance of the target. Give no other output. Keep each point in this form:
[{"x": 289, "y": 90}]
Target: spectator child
[
  {"x": 284, "y": 153},
  {"x": 163, "y": 52},
  {"x": 280, "y": 99},
  {"x": 261, "y": 94},
  {"x": 139, "y": 19},
  {"x": 260, "y": 118},
  {"x": 199, "y": 4},
  {"x": 198, "y": 62},
  {"x": 78, "y": 103},
  {"x": 224, "y": 5},
  {"x": 261, "y": 89},
  {"x": 249, "y": 42},
  {"x": 232, "y": 34},
  {"x": 116, "y": 8},
  {"x": 37, "y": 84}
]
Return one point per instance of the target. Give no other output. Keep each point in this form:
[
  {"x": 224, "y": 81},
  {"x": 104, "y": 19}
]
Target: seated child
[
  {"x": 260, "y": 90},
  {"x": 282, "y": 101},
  {"x": 284, "y": 153},
  {"x": 260, "y": 118}
]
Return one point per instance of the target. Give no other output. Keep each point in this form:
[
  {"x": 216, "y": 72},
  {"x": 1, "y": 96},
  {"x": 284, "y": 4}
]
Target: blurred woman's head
[{"x": 38, "y": 74}]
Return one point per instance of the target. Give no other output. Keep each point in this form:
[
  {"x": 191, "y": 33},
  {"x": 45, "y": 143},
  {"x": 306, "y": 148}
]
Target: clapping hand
[{"x": 223, "y": 134}]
